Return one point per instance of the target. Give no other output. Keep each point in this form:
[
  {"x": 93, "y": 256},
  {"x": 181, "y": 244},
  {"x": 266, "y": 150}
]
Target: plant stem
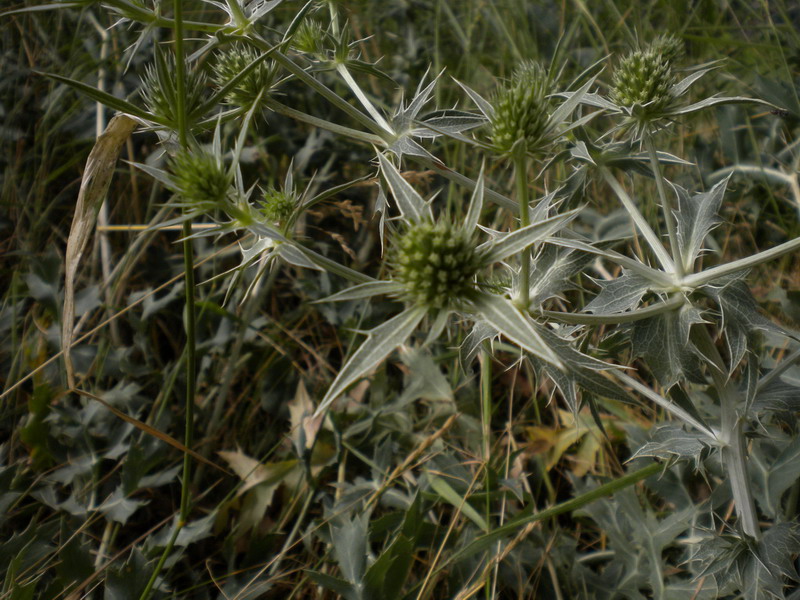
[
  {"x": 666, "y": 207},
  {"x": 521, "y": 179},
  {"x": 641, "y": 223},
  {"x": 319, "y": 87},
  {"x": 287, "y": 111},
  {"x": 486, "y": 421},
  {"x": 486, "y": 541},
  {"x": 697, "y": 279},
  {"x": 734, "y": 450},
  {"x": 188, "y": 266}
]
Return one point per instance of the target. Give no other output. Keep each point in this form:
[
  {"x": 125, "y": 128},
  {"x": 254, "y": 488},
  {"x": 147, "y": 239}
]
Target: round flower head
[
  {"x": 231, "y": 63},
  {"x": 277, "y": 206},
  {"x": 521, "y": 110},
  {"x": 437, "y": 263},
  {"x": 644, "y": 78},
  {"x": 201, "y": 179}
]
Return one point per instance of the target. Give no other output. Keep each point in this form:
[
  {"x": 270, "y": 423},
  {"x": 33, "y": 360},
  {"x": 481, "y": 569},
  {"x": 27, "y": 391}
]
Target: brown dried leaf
[{"x": 96, "y": 179}]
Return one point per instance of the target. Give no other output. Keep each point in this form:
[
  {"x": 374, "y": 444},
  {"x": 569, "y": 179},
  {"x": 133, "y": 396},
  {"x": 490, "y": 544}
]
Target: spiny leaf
[
  {"x": 619, "y": 295},
  {"x": 507, "y": 319},
  {"x": 696, "y": 217},
  {"x": 379, "y": 344},
  {"x": 410, "y": 203},
  {"x": 663, "y": 342}
]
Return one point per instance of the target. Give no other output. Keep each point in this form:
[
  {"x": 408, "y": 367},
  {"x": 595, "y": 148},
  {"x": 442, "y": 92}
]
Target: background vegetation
[{"x": 432, "y": 477}]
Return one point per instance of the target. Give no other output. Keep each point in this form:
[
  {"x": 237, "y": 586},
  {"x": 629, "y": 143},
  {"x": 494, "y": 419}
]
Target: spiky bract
[
  {"x": 159, "y": 92},
  {"x": 309, "y": 37}
]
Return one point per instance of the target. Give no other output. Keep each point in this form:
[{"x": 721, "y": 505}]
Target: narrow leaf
[
  {"x": 94, "y": 185},
  {"x": 483, "y": 105},
  {"x": 379, "y": 344},
  {"x": 507, "y": 319},
  {"x": 107, "y": 99},
  {"x": 410, "y": 203},
  {"x": 445, "y": 490},
  {"x": 520, "y": 239},
  {"x": 364, "y": 290}
]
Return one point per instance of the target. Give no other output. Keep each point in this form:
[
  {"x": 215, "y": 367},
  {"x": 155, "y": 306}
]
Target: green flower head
[
  {"x": 200, "y": 179},
  {"x": 521, "y": 110},
  {"x": 643, "y": 78},
  {"x": 231, "y": 63},
  {"x": 437, "y": 263},
  {"x": 278, "y": 206}
]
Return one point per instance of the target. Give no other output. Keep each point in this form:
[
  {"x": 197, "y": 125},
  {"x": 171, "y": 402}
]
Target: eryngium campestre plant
[
  {"x": 200, "y": 179},
  {"x": 521, "y": 110},
  {"x": 437, "y": 263},
  {"x": 231, "y": 63}
]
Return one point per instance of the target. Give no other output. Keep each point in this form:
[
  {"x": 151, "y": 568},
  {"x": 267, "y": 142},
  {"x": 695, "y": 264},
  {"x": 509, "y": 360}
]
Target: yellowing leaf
[{"x": 94, "y": 185}]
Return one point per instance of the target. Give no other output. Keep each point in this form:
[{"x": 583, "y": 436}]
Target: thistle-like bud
[
  {"x": 159, "y": 92},
  {"x": 309, "y": 37},
  {"x": 437, "y": 263},
  {"x": 201, "y": 179},
  {"x": 521, "y": 109},
  {"x": 277, "y": 206},
  {"x": 231, "y": 63},
  {"x": 643, "y": 77}
]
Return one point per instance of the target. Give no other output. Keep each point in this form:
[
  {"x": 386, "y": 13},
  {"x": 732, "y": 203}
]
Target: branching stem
[{"x": 666, "y": 206}]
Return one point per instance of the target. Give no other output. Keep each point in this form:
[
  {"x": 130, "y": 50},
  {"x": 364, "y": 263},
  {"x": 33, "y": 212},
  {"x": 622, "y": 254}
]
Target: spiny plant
[{"x": 392, "y": 483}]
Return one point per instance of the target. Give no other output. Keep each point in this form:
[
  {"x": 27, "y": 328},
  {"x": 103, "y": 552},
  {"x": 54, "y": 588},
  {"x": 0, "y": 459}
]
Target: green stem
[
  {"x": 641, "y": 223},
  {"x": 521, "y": 179},
  {"x": 486, "y": 422},
  {"x": 319, "y": 87},
  {"x": 287, "y": 111},
  {"x": 734, "y": 448},
  {"x": 488, "y": 540},
  {"x": 695, "y": 280},
  {"x": 666, "y": 206},
  {"x": 188, "y": 265},
  {"x": 674, "y": 303}
]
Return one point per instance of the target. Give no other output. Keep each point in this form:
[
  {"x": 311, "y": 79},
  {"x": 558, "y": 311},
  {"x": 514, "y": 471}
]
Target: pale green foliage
[
  {"x": 578, "y": 298},
  {"x": 158, "y": 87},
  {"x": 309, "y": 37}
]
